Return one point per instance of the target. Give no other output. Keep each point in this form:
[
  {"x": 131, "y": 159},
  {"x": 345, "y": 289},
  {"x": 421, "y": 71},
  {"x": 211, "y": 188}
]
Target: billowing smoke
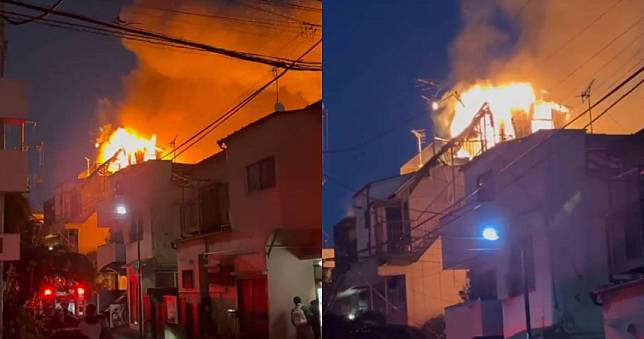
[
  {"x": 557, "y": 46},
  {"x": 173, "y": 93}
]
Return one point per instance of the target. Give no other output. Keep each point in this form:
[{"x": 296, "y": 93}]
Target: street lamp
[
  {"x": 122, "y": 210},
  {"x": 491, "y": 234}
]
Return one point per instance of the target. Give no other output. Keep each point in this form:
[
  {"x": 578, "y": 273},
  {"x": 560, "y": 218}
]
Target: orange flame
[
  {"x": 515, "y": 110},
  {"x": 124, "y": 147}
]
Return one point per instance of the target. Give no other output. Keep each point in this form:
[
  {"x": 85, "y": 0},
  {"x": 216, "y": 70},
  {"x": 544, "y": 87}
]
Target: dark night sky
[
  {"x": 67, "y": 72},
  {"x": 373, "y": 53}
]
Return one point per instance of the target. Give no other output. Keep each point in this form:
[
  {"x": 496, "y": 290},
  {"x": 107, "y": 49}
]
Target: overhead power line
[
  {"x": 576, "y": 35},
  {"x": 197, "y": 137},
  {"x": 451, "y": 209},
  {"x": 257, "y": 58},
  {"x": 288, "y": 17},
  {"x": 40, "y": 16},
  {"x": 597, "y": 53}
]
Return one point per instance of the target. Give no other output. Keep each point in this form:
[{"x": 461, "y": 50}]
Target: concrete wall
[
  {"x": 623, "y": 309},
  {"x": 429, "y": 288},
  {"x": 90, "y": 236},
  {"x": 287, "y": 277},
  {"x": 474, "y": 319},
  {"x": 550, "y": 195},
  {"x": 188, "y": 259},
  {"x": 149, "y": 193},
  {"x": 293, "y": 139}
]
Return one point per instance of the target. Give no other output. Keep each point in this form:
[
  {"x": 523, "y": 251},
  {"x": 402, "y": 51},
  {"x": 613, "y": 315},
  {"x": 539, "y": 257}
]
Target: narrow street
[{"x": 124, "y": 333}]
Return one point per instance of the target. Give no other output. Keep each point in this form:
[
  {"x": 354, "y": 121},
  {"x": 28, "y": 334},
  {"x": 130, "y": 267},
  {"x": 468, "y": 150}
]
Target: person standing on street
[{"x": 299, "y": 320}]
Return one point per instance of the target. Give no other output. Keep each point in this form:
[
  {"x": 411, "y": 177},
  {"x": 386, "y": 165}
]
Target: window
[
  {"x": 187, "y": 279},
  {"x": 166, "y": 279},
  {"x": 395, "y": 230},
  {"x": 261, "y": 175},
  {"x": 485, "y": 185},
  {"x": 122, "y": 283},
  {"x": 214, "y": 207}
]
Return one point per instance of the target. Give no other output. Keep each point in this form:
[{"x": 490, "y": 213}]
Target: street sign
[{"x": 9, "y": 246}]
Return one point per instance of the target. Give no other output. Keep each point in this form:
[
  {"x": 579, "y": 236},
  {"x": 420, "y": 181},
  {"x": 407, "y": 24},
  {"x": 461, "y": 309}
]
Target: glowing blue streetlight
[{"x": 489, "y": 233}]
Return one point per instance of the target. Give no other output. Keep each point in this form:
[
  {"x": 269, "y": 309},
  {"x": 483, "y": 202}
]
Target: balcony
[
  {"x": 109, "y": 254},
  {"x": 475, "y": 319}
]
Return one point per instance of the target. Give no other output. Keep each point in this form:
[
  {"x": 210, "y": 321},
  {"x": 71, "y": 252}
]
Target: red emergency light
[
  {"x": 47, "y": 292},
  {"x": 80, "y": 291}
]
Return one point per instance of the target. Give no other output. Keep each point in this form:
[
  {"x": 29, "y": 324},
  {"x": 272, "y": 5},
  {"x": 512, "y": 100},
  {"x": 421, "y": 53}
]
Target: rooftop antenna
[
  {"x": 585, "y": 97},
  {"x": 278, "y": 105},
  {"x": 420, "y": 138},
  {"x": 173, "y": 145}
]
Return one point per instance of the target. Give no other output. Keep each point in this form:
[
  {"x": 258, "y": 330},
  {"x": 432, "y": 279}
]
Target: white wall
[
  {"x": 625, "y": 307},
  {"x": 287, "y": 277},
  {"x": 429, "y": 288},
  {"x": 551, "y": 195}
]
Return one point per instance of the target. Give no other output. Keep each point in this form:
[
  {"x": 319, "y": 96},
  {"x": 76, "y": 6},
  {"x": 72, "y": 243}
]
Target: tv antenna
[
  {"x": 173, "y": 145},
  {"x": 278, "y": 105},
  {"x": 420, "y": 139},
  {"x": 585, "y": 97}
]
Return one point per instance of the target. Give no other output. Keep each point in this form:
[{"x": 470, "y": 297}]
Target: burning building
[
  {"x": 550, "y": 205},
  {"x": 166, "y": 233},
  {"x": 251, "y": 235}
]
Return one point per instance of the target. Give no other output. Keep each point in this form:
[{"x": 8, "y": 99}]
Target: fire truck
[{"x": 59, "y": 293}]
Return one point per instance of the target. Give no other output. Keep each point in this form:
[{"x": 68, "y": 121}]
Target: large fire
[
  {"x": 515, "y": 112},
  {"x": 124, "y": 146}
]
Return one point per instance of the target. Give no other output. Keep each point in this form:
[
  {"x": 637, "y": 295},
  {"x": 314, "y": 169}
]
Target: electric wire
[
  {"x": 252, "y": 57},
  {"x": 197, "y": 137},
  {"x": 37, "y": 17},
  {"x": 451, "y": 209}
]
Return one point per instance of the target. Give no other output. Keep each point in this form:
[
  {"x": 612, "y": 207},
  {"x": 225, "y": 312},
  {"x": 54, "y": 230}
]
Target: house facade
[
  {"x": 546, "y": 196},
  {"x": 392, "y": 249},
  {"x": 622, "y": 300},
  {"x": 266, "y": 248}
]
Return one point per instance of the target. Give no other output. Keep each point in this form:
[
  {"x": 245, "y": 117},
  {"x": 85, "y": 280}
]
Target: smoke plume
[
  {"x": 558, "y": 46},
  {"x": 173, "y": 93}
]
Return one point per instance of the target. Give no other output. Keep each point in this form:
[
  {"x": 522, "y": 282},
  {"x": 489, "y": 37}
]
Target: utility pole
[
  {"x": 585, "y": 97},
  {"x": 2, "y": 196},
  {"x": 526, "y": 294},
  {"x": 140, "y": 274}
]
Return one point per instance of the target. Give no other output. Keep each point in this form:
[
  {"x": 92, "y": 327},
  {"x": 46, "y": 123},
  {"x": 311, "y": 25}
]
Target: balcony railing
[
  {"x": 192, "y": 220},
  {"x": 403, "y": 245}
]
